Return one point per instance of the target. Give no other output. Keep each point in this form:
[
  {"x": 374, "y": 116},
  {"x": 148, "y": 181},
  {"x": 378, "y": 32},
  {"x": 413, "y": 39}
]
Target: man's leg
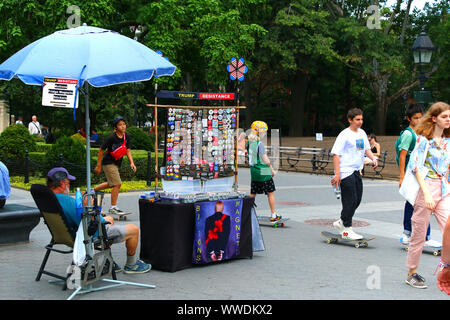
[
  {"x": 349, "y": 200},
  {"x": 115, "y": 194},
  {"x": 271, "y": 199},
  {"x": 131, "y": 239},
  {"x": 102, "y": 186},
  {"x": 358, "y": 189},
  {"x": 131, "y": 236}
]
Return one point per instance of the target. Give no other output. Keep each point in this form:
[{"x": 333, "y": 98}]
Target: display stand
[{"x": 199, "y": 109}]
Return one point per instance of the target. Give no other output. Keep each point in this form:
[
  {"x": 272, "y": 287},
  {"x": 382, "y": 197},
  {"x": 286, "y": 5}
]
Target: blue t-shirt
[{"x": 70, "y": 210}]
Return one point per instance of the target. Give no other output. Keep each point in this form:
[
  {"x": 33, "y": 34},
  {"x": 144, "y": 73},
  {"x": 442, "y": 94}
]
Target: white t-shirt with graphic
[{"x": 350, "y": 146}]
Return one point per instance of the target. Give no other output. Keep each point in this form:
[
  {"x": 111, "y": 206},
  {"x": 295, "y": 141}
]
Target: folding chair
[{"x": 56, "y": 222}]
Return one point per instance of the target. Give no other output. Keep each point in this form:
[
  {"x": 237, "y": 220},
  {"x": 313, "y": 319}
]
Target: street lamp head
[{"x": 422, "y": 49}]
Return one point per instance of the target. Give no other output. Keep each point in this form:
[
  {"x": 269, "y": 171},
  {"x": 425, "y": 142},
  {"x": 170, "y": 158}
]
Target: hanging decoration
[{"x": 237, "y": 69}]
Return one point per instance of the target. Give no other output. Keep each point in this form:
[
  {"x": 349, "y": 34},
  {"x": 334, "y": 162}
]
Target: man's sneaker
[
  {"x": 416, "y": 281},
  {"x": 405, "y": 239},
  {"x": 138, "y": 267},
  {"x": 433, "y": 244},
  {"x": 117, "y": 268},
  {"x": 116, "y": 210},
  {"x": 349, "y": 234},
  {"x": 272, "y": 219},
  {"x": 339, "y": 225}
]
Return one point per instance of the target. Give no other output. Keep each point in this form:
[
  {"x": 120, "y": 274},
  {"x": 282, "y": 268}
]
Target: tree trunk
[
  {"x": 299, "y": 89},
  {"x": 381, "y": 116}
]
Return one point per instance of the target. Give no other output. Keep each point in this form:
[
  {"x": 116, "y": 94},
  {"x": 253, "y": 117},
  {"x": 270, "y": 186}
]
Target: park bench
[
  {"x": 297, "y": 156},
  {"x": 328, "y": 158},
  {"x": 381, "y": 165}
]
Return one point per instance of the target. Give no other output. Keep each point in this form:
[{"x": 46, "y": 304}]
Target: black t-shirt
[{"x": 112, "y": 143}]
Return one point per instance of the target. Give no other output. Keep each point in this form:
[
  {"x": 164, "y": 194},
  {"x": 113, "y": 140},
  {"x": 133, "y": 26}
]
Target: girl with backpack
[{"x": 404, "y": 146}]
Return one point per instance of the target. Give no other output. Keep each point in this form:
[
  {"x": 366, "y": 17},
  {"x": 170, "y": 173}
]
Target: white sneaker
[
  {"x": 339, "y": 226},
  {"x": 349, "y": 234},
  {"x": 116, "y": 211},
  {"x": 433, "y": 244},
  {"x": 405, "y": 239}
]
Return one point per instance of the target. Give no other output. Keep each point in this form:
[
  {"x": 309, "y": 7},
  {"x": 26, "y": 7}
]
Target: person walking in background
[
  {"x": 261, "y": 170},
  {"x": 404, "y": 146},
  {"x": 348, "y": 159},
  {"x": 116, "y": 145},
  {"x": 34, "y": 127},
  {"x": 431, "y": 155},
  {"x": 20, "y": 120}
]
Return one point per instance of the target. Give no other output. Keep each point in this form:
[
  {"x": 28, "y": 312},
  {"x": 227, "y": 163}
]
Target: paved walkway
[{"x": 297, "y": 263}]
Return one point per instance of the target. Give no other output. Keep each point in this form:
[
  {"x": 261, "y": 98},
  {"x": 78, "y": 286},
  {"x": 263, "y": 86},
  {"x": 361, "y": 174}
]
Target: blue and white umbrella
[
  {"x": 99, "y": 56},
  {"x": 91, "y": 55}
]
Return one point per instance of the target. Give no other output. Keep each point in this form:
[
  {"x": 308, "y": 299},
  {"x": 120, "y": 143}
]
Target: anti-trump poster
[{"x": 217, "y": 230}]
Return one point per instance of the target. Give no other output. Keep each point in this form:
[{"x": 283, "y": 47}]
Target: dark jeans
[
  {"x": 409, "y": 209},
  {"x": 351, "y": 194}
]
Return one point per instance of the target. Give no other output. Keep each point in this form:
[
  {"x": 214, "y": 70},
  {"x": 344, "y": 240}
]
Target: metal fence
[{"x": 27, "y": 167}]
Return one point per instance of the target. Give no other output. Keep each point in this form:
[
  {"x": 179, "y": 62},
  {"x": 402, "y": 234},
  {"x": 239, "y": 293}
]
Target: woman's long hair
[{"x": 426, "y": 125}]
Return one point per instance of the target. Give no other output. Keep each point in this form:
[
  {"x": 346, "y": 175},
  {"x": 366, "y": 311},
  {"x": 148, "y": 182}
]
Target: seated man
[{"x": 58, "y": 180}]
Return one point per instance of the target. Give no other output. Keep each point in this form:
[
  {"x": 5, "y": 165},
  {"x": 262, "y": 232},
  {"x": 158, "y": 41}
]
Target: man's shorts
[
  {"x": 259, "y": 187},
  {"x": 116, "y": 233},
  {"x": 112, "y": 174}
]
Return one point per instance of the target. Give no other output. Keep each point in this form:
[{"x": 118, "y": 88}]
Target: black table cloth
[{"x": 167, "y": 233}]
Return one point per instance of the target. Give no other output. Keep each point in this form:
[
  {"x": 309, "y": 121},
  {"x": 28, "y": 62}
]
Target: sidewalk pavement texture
[{"x": 297, "y": 264}]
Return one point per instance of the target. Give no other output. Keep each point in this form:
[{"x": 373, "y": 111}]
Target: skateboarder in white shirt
[{"x": 348, "y": 159}]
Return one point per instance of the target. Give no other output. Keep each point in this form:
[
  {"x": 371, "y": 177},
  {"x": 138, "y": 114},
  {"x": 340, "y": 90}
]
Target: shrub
[
  {"x": 73, "y": 155},
  {"x": 139, "y": 139},
  {"x": 14, "y": 141}
]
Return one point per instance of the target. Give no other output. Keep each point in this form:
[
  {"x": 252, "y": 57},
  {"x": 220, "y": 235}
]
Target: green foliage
[
  {"x": 325, "y": 43},
  {"x": 14, "y": 141},
  {"x": 74, "y": 158},
  {"x": 72, "y": 150},
  {"x": 139, "y": 139}
]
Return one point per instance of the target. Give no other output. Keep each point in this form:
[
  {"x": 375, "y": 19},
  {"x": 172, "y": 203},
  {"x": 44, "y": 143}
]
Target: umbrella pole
[
  {"x": 88, "y": 138},
  {"x": 156, "y": 137}
]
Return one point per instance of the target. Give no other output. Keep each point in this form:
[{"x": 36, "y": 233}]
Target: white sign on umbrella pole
[{"x": 59, "y": 92}]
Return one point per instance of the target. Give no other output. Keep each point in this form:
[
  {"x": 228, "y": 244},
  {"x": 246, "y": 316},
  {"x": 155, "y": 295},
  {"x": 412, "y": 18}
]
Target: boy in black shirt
[{"x": 116, "y": 145}]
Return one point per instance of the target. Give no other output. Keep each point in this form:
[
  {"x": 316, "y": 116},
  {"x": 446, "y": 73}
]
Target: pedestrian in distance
[
  {"x": 375, "y": 147},
  {"x": 34, "y": 127},
  {"x": 430, "y": 162},
  {"x": 20, "y": 120},
  {"x": 261, "y": 170},
  {"x": 348, "y": 152},
  {"x": 404, "y": 146},
  {"x": 110, "y": 157}
]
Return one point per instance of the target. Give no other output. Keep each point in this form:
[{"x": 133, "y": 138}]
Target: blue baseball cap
[{"x": 59, "y": 173}]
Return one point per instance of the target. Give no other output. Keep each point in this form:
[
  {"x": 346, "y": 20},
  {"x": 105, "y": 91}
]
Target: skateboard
[
  {"x": 335, "y": 238},
  {"x": 117, "y": 217},
  {"x": 436, "y": 250},
  {"x": 275, "y": 224}
]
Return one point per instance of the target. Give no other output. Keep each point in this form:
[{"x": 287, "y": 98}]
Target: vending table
[{"x": 167, "y": 233}]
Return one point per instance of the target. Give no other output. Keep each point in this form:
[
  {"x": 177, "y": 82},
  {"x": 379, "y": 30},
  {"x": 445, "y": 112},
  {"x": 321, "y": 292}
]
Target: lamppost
[{"x": 422, "y": 50}]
